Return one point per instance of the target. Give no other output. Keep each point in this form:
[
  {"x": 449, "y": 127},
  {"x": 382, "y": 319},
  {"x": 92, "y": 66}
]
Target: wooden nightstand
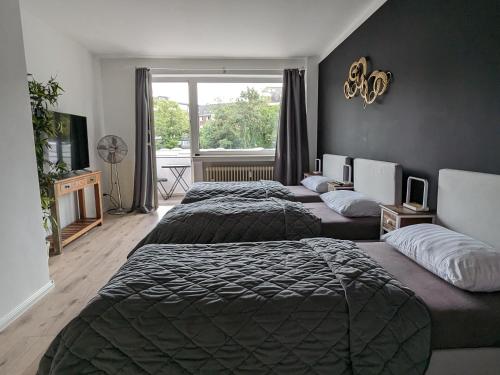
[
  {"x": 332, "y": 186},
  {"x": 395, "y": 217}
]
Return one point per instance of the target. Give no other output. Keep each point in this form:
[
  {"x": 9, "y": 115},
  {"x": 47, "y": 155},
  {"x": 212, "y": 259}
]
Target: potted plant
[{"x": 42, "y": 97}]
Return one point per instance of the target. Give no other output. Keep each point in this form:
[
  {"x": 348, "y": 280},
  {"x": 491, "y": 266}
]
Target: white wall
[
  {"x": 118, "y": 81},
  {"x": 50, "y": 53},
  {"x": 23, "y": 257}
]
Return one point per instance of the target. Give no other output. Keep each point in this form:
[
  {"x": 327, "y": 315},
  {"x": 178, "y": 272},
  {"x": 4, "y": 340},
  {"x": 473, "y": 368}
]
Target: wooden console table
[{"x": 62, "y": 237}]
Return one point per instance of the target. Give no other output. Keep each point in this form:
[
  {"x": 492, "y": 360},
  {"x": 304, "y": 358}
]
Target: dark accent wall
[{"x": 443, "y": 107}]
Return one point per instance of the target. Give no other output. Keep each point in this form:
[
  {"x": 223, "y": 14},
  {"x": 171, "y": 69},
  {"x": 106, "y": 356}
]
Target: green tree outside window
[
  {"x": 171, "y": 123},
  {"x": 249, "y": 122}
]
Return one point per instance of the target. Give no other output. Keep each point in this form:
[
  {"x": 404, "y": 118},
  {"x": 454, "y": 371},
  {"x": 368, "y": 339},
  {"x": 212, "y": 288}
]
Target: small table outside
[{"x": 178, "y": 171}]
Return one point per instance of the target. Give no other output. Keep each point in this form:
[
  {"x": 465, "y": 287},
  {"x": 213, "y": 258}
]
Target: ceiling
[{"x": 205, "y": 28}]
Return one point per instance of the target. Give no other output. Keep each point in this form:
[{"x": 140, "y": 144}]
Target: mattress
[
  {"x": 460, "y": 319},
  {"x": 303, "y": 194},
  {"x": 334, "y": 225}
]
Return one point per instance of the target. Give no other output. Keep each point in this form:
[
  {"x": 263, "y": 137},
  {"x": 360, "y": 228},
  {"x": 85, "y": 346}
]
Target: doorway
[{"x": 173, "y": 139}]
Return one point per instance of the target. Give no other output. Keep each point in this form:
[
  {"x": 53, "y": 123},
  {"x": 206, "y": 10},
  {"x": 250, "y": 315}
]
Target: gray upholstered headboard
[
  {"x": 469, "y": 203},
  {"x": 333, "y": 166},
  {"x": 380, "y": 180}
]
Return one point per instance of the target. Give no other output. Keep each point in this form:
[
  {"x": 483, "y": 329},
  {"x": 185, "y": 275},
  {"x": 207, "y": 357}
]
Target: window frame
[{"x": 268, "y": 76}]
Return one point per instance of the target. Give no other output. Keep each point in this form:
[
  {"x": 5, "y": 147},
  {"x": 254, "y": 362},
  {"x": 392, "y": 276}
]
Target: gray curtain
[
  {"x": 145, "y": 192},
  {"x": 292, "y": 150}
]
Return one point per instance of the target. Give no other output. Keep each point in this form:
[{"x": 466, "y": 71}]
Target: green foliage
[
  {"x": 250, "y": 122},
  {"x": 43, "y": 96},
  {"x": 171, "y": 123}
]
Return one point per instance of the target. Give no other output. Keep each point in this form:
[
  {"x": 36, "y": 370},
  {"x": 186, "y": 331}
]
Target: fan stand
[
  {"x": 112, "y": 149},
  {"x": 116, "y": 210}
]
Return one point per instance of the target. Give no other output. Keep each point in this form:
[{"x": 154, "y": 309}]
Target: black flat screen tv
[{"x": 70, "y": 145}]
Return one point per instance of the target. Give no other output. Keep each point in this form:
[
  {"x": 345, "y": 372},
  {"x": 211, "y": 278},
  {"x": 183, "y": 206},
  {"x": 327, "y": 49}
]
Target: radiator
[{"x": 239, "y": 172}]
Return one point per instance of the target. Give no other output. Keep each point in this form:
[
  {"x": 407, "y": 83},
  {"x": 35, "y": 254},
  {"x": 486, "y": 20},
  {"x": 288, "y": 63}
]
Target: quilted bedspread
[
  {"x": 234, "y": 219},
  {"x": 246, "y": 189},
  {"x": 314, "y": 306}
]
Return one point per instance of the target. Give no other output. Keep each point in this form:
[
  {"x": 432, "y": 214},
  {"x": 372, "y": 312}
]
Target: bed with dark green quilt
[
  {"x": 314, "y": 306},
  {"x": 262, "y": 189},
  {"x": 234, "y": 219}
]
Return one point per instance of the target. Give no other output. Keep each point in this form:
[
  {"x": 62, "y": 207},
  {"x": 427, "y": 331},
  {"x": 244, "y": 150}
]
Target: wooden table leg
[
  {"x": 98, "y": 200},
  {"x": 82, "y": 210}
]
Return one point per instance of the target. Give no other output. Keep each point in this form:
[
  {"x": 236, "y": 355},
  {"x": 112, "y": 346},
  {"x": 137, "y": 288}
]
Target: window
[
  {"x": 171, "y": 115},
  {"x": 229, "y": 113},
  {"x": 238, "y": 116}
]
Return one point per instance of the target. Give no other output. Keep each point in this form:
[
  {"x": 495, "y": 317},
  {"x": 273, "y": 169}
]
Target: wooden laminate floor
[{"x": 84, "y": 267}]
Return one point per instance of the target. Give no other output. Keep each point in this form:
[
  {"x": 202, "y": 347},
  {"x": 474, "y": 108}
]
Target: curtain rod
[{"x": 221, "y": 69}]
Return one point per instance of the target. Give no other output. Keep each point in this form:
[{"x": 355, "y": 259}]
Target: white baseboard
[{"x": 24, "y": 306}]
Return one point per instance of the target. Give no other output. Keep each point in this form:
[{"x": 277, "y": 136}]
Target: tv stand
[{"x": 75, "y": 184}]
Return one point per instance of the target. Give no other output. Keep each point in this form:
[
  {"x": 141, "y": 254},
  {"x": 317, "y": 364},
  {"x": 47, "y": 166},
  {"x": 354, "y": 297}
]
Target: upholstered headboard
[
  {"x": 380, "y": 180},
  {"x": 469, "y": 203},
  {"x": 333, "y": 166}
]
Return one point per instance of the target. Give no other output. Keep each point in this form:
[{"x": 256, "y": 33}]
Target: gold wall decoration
[{"x": 368, "y": 87}]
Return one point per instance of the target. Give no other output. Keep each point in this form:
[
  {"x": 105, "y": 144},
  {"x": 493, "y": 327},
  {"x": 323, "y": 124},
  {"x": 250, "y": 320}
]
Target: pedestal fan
[{"x": 112, "y": 149}]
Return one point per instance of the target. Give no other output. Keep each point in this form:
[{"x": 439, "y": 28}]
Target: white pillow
[
  {"x": 351, "y": 203},
  {"x": 460, "y": 260},
  {"x": 318, "y": 184}
]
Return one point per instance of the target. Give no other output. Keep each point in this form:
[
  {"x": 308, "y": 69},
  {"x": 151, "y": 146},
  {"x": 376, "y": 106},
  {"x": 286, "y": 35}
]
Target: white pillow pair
[
  {"x": 345, "y": 202},
  {"x": 456, "y": 258}
]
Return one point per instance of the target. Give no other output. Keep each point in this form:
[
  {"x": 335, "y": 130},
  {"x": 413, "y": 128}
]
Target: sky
[{"x": 208, "y": 93}]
